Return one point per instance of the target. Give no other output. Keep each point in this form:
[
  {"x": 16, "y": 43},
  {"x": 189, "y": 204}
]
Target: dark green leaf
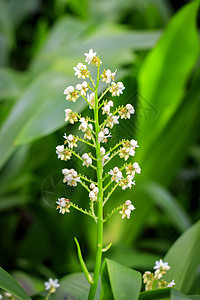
[
  {"x": 8, "y": 284},
  {"x": 184, "y": 259},
  {"x": 119, "y": 282}
]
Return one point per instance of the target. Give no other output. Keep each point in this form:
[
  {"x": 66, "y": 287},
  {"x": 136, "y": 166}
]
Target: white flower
[
  {"x": 88, "y": 133},
  {"x": 72, "y": 95},
  {"x": 89, "y": 56},
  {"x": 82, "y": 88},
  {"x": 116, "y": 174},
  {"x": 71, "y": 140},
  {"x": 137, "y": 167},
  {"x": 69, "y": 115},
  {"x": 91, "y": 100},
  {"x": 52, "y": 284},
  {"x": 127, "y": 182},
  {"x": 83, "y": 125},
  {"x": 59, "y": 151},
  {"x": 1, "y": 297},
  {"x": 159, "y": 264},
  {"x": 87, "y": 160},
  {"x": 126, "y": 209},
  {"x": 81, "y": 71},
  {"x": 171, "y": 283},
  {"x": 103, "y": 135},
  {"x": 93, "y": 194},
  {"x": 117, "y": 88},
  {"x": 71, "y": 177},
  {"x": 107, "y": 106},
  {"x": 125, "y": 112},
  {"x": 102, "y": 152},
  {"x": 108, "y": 75},
  {"x": 63, "y": 205},
  {"x": 6, "y": 294}
]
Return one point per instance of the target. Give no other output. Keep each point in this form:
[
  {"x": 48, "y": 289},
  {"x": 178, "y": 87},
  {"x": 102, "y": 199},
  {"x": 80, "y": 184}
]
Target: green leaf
[
  {"x": 164, "y": 293},
  {"x": 11, "y": 83},
  {"x": 119, "y": 282},
  {"x": 176, "y": 295},
  {"x": 162, "y": 110},
  {"x": 172, "y": 209},
  {"x": 8, "y": 284},
  {"x": 184, "y": 259},
  {"x": 74, "y": 286}
]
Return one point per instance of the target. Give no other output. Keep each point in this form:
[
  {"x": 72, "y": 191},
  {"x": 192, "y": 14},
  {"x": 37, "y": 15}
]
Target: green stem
[{"x": 99, "y": 242}]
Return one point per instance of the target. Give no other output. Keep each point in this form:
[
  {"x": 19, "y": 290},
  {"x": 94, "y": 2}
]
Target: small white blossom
[
  {"x": 63, "y": 205},
  {"x": 84, "y": 124},
  {"x": 107, "y": 75},
  {"x": 105, "y": 156},
  {"x": 72, "y": 95},
  {"x": 87, "y": 160},
  {"x": 1, "y": 297},
  {"x": 104, "y": 135},
  {"x": 117, "y": 88},
  {"x": 91, "y": 100},
  {"x": 71, "y": 140},
  {"x": 126, "y": 209},
  {"x": 59, "y": 151},
  {"x": 107, "y": 106},
  {"x": 137, "y": 167},
  {"x": 71, "y": 177},
  {"x": 128, "y": 149},
  {"x": 171, "y": 284},
  {"x": 127, "y": 182},
  {"x": 52, "y": 285},
  {"x": 116, "y": 174},
  {"x": 82, "y": 88},
  {"x": 161, "y": 265},
  {"x": 93, "y": 194},
  {"x": 112, "y": 120},
  {"x": 125, "y": 112},
  {"x": 89, "y": 56},
  {"x": 6, "y": 294},
  {"x": 81, "y": 71}
]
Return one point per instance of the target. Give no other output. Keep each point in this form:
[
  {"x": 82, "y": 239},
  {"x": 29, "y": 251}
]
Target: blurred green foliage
[{"x": 156, "y": 52}]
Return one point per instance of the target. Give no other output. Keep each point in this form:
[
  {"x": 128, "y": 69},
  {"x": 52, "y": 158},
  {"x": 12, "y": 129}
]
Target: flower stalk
[{"x": 96, "y": 134}]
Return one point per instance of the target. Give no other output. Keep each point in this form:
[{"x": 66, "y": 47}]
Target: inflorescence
[{"x": 122, "y": 176}]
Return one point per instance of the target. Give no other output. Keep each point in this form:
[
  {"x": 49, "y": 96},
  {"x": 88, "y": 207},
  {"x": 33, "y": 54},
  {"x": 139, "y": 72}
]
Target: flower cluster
[
  {"x": 126, "y": 209},
  {"x": 95, "y": 135},
  {"x": 94, "y": 192},
  {"x": 71, "y": 177},
  {"x": 63, "y": 205},
  {"x": 155, "y": 280}
]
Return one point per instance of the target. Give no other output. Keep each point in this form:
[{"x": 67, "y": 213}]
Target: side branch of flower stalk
[
  {"x": 110, "y": 193},
  {"x": 85, "y": 100},
  {"x": 81, "y": 159},
  {"x": 103, "y": 94},
  {"x": 112, "y": 213},
  {"x": 116, "y": 146},
  {"x": 113, "y": 114},
  {"x": 84, "y": 211},
  {"x": 86, "y": 179},
  {"x": 84, "y": 268},
  {"x": 82, "y": 140},
  {"x": 85, "y": 186},
  {"x": 111, "y": 157}
]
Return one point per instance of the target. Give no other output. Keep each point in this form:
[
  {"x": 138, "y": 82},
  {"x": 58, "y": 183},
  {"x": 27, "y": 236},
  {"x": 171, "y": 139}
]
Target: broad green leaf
[
  {"x": 38, "y": 112},
  {"x": 176, "y": 295},
  {"x": 165, "y": 87},
  {"x": 165, "y": 293},
  {"x": 119, "y": 282},
  {"x": 163, "y": 110},
  {"x": 184, "y": 259},
  {"x": 8, "y": 284},
  {"x": 11, "y": 83},
  {"x": 74, "y": 286},
  {"x": 172, "y": 209}
]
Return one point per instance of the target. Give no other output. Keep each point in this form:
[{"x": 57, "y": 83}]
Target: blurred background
[{"x": 154, "y": 46}]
